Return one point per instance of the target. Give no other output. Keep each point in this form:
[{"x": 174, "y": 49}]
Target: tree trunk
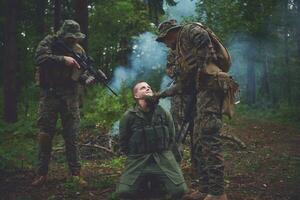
[
  {"x": 154, "y": 6},
  {"x": 251, "y": 79},
  {"x": 10, "y": 62},
  {"x": 298, "y": 28},
  {"x": 265, "y": 86},
  {"x": 40, "y": 17},
  {"x": 57, "y": 14},
  {"x": 287, "y": 66},
  {"x": 81, "y": 16},
  {"x": 124, "y": 52}
]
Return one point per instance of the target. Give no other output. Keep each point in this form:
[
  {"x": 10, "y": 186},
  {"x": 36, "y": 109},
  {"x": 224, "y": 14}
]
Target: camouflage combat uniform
[
  {"x": 194, "y": 51},
  {"x": 146, "y": 138},
  {"x": 178, "y": 104},
  {"x": 58, "y": 96}
]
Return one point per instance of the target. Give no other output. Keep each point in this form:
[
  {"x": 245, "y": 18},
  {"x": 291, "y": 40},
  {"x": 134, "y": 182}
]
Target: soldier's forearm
[
  {"x": 171, "y": 91},
  {"x": 49, "y": 59}
]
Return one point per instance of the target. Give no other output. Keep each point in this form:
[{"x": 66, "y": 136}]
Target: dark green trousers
[{"x": 151, "y": 182}]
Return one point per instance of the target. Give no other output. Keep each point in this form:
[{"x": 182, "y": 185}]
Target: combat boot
[
  {"x": 216, "y": 197},
  {"x": 39, "y": 181}
]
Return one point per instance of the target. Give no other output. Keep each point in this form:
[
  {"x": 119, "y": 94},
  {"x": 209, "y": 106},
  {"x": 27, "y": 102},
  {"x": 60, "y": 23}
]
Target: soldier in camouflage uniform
[
  {"x": 146, "y": 138},
  {"x": 58, "y": 76},
  {"x": 178, "y": 104},
  {"x": 195, "y": 52}
]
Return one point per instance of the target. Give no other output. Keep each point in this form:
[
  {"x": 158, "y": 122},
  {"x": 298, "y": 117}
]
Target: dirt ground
[{"x": 268, "y": 169}]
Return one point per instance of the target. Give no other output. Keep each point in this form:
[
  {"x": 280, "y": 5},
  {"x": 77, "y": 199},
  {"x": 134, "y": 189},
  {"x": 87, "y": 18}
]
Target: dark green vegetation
[{"x": 262, "y": 36}]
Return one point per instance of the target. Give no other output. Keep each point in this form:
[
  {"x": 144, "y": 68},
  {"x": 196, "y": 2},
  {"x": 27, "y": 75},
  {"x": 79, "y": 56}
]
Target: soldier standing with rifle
[
  {"x": 58, "y": 76},
  {"x": 202, "y": 67}
]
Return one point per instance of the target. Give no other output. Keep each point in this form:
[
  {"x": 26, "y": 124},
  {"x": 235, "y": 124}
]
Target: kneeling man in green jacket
[{"x": 147, "y": 137}]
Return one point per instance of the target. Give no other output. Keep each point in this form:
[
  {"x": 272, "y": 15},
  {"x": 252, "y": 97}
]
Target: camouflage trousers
[
  {"x": 178, "y": 105},
  {"x": 63, "y": 103},
  {"x": 207, "y": 145}
]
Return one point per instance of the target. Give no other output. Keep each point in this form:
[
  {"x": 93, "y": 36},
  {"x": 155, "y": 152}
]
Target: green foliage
[
  {"x": 226, "y": 17},
  {"x": 112, "y": 24},
  {"x": 74, "y": 185},
  {"x": 102, "y": 108},
  {"x": 116, "y": 163},
  {"x": 284, "y": 113},
  {"x": 112, "y": 167},
  {"x": 17, "y": 153},
  {"x": 262, "y": 38}
]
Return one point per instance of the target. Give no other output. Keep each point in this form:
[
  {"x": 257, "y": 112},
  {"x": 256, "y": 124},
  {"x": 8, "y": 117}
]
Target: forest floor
[{"x": 268, "y": 169}]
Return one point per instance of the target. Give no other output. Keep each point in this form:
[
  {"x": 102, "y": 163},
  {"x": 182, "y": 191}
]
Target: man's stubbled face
[{"x": 142, "y": 89}]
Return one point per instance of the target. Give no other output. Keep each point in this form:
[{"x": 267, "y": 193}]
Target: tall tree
[
  {"x": 155, "y": 8},
  {"x": 251, "y": 77},
  {"x": 40, "y": 16},
  {"x": 287, "y": 51},
  {"x": 57, "y": 14},
  {"x": 10, "y": 62},
  {"x": 81, "y": 16},
  {"x": 298, "y": 28}
]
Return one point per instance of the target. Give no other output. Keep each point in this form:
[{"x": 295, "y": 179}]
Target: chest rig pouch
[
  {"x": 222, "y": 83},
  {"x": 149, "y": 137}
]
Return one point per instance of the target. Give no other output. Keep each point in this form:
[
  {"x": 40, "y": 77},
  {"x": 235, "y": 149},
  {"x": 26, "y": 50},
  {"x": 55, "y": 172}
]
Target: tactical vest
[
  {"x": 53, "y": 75},
  {"x": 150, "y": 137}
]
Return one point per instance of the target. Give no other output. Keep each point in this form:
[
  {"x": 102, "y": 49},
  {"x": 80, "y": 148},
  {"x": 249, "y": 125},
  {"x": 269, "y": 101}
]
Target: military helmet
[
  {"x": 165, "y": 27},
  {"x": 70, "y": 28}
]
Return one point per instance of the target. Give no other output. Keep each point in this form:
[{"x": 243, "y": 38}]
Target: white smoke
[
  {"x": 183, "y": 9},
  {"x": 165, "y": 103},
  {"x": 115, "y": 128},
  {"x": 147, "y": 56}
]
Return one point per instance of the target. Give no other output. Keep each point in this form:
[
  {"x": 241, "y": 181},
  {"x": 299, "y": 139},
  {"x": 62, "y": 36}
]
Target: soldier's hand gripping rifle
[{"x": 85, "y": 63}]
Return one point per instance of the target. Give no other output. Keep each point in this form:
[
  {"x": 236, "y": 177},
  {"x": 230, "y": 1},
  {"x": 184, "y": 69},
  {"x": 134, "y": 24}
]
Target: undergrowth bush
[
  {"x": 102, "y": 109},
  {"x": 283, "y": 113}
]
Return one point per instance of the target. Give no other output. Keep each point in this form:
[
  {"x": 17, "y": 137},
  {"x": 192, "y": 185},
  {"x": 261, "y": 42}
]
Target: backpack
[{"x": 224, "y": 59}]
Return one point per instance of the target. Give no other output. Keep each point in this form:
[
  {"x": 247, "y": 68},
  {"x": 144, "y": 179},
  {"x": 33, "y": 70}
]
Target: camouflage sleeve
[
  {"x": 203, "y": 48},
  {"x": 170, "y": 67},
  {"x": 170, "y": 59},
  {"x": 124, "y": 131},
  {"x": 174, "y": 89},
  {"x": 171, "y": 128},
  {"x": 44, "y": 54}
]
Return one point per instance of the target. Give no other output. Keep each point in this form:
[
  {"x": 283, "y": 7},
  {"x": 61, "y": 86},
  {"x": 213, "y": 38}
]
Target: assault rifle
[
  {"x": 187, "y": 122},
  {"x": 85, "y": 63}
]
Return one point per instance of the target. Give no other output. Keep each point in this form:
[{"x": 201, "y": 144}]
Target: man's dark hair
[{"x": 134, "y": 84}]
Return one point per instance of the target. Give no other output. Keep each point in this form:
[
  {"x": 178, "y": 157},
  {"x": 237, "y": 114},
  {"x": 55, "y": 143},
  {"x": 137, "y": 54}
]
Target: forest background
[{"x": 263, "y": 38}]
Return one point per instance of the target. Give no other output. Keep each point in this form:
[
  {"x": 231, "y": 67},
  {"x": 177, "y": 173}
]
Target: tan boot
[
  {"x": 216, "y": 197},
  {"x": 39, "y": 181}
]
